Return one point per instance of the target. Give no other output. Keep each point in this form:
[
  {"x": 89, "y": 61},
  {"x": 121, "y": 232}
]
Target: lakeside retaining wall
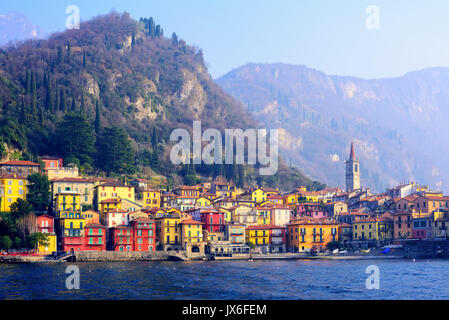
[{"x": 105, "y": 256}]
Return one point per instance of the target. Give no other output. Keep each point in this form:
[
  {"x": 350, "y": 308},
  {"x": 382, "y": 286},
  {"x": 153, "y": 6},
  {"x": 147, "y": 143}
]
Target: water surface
[{"x": 301, "y": 279}]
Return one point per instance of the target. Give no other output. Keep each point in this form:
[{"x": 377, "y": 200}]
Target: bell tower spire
[{"x": 352, "y": 171}]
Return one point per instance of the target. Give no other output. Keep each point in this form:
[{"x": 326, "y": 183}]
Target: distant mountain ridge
[{"x": 398, "y": 124}]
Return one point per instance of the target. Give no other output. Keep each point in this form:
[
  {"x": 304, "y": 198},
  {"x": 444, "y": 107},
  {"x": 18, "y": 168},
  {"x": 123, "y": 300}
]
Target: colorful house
[
  {"x": 20, "y": 168},
  {"x": 50, "y": 247},
  {"x": 45, "y": 224},
  {"x": 235, "y": 232},
  {"x": 112, "y": 190},
  {"x": 422, "y": 226},
  {"x": 245, "y": 215},
  {"x": 110, "y": 204},
  {"x": 309, "y": 234},
  {"x": 168, "y": 232},
  {"x": 71, "y": 231},
  {"x": 116, "y": 217},
  {"x": 121, "y": 238},
  {"x": 144, "y": 234},
  {"x": 213, "y": 220},
  {"x": 203, "y": 202},
  {"x": 12, "y": 188},
  {"x": 67, "y": 201},
  {"x": 83, "y": 186},
  {"x": 151, "y": 198},
  {"x": 267, "y": 238},
  {"x": 373, "y": 229},
  {"x": 91, "y": 216},
  {"x": 402, "y": 225},
  {"x": 94, "y": 237},
  {"x": 191, "y": 233},
  {"x": 280, "y": 215},
  {"x": 263, "y": 215}
]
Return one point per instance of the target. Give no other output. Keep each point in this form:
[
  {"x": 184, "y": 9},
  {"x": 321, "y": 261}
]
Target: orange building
[{"x": 311, "y": 234}]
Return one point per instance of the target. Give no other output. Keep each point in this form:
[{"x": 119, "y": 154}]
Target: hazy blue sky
[{"x": 328, "y": 35}]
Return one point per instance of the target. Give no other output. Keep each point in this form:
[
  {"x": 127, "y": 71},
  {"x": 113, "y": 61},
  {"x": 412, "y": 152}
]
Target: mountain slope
[
  {"x": 145, "y": 83},
  {"x": 398, "y": 124}
]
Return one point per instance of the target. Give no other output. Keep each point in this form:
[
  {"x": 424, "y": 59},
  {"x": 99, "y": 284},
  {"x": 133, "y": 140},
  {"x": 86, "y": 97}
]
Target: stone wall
[{"x": 121, "y": 256}]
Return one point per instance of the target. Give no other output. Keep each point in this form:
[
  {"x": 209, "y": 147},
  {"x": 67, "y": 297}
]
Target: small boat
[
  {"x": 335, "y": 251},
  {"x": 366, "y": 251}
]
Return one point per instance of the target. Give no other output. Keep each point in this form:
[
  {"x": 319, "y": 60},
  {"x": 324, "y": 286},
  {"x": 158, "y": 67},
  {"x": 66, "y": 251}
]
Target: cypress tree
[
  {"x": 73, "y": 104},
  {"x": 58, "y": 101},
  {"x": 22, "y": 119},
  {"x": 174, "y": 39},
  {"x": 33, "y": 83},
  {"x": 49, "y": 96},
  {"x": 60, "y": 58},
  {"x": 41, "y": 116},
  {"x": 82, "y": 106},
  {"x": 97, "y": 117},
  {"x": 63, "y": 102},
  {"x": 84, "y": 60},
  {"x": 28, "y": 82}
]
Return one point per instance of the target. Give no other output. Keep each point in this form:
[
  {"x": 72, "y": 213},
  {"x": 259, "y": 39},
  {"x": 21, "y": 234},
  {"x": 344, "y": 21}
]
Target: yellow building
[
  {"x": 12, "y": 188},
  {"x": 227, "y": 214},
  {"x": 168, "y": 232},
  {"x": 258, "y": 235},
  {"x": 51, "y": 247},
  {"x": 110, "y": 204},
  {"x": 311, "y": 234},
  {"x": 113, "y": 190},
  {"x": 373, "y": 229},
  {"x": 258, "y": 195},
  {"x": 91, "y": 216},
  {"x": 191, "y": 232},
  {"x": 72, "y": 224},
  {"x": 67, "y": 201},
  {"x": 70, "y": 171},
  {"x": 290, "y": 199},
  {"x": 203, "y": 202},
  {"x": 151, "y": 198}
]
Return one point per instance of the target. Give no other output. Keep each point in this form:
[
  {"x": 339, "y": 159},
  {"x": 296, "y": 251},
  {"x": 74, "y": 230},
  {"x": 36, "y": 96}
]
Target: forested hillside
[{"x": 107, "y": 97}]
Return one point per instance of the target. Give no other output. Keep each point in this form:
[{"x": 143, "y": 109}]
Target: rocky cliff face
[{"x": 398, "y": 125}]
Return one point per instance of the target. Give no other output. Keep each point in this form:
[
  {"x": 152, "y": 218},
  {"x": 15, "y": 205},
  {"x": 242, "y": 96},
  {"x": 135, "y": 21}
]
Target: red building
[
  {"x": 94, "y": 237},
  {"x": 72, "y": 243},
  {"x": 144, "y": 234},
  {"x": 278, "y": 238},
  {"x": 213, "y": 220},
  {"x": 45, "y": 224},
  {"x": 121, "y": 238},
  {"x": 51, "y": 162}
]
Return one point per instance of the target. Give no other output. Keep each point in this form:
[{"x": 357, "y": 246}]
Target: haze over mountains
[
  {"x": 399, "y": 125},
  {"x": 15, "y": 27}
]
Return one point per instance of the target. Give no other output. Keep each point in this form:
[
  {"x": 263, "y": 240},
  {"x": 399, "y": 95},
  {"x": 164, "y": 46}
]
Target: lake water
[{"x": 302, "y": 279}]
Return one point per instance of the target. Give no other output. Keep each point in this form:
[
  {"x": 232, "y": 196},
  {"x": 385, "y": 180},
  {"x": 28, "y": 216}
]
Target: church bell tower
[{"x": 352, "y": 171}]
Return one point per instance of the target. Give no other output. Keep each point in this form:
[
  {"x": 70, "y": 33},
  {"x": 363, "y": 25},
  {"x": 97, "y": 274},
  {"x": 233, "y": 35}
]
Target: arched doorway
[{"x": 195, "y": 249}]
